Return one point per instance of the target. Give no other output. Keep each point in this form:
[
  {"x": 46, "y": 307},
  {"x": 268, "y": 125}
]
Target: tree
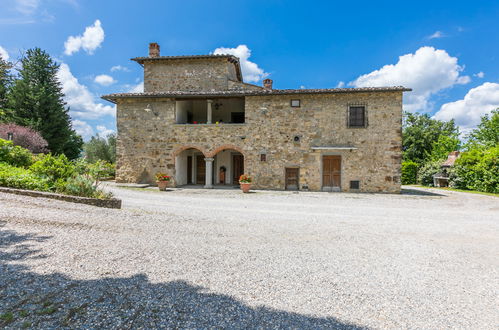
[
  {"x": 99, "y": 148},
  {"x": 36, "y": 100},
  {"x": 421, "y": 134},
  {"x": 5, "y": 82},
  {"x": 486, "y": 135},
  {"x": 24, "y": 136}
]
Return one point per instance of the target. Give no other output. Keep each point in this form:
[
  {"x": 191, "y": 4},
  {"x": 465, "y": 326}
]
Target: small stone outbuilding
[{"x": 198, "y": 121}]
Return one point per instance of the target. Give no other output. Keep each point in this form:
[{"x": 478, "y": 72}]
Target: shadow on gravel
[
  {"x": 57, "y": 301},
  {"x": 418, "y": 192}
]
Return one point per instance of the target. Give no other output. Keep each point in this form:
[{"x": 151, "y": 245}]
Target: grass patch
[
  {"x": 47, "y": 311},
  {"x": 7, "y": 317},
  {"x": 459, "y": 190},
  {"x": 23, "y": 313}
]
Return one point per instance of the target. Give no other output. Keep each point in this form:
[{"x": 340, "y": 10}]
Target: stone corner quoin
[{"x": 200, "y": 123}]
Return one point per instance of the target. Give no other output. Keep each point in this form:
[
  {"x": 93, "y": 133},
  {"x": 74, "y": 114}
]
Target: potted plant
[
  {"x": 245, "y": 183},
  {"x": 162, "y": 180}
]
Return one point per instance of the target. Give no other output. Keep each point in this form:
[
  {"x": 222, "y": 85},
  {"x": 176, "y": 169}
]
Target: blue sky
[{"x": 447, "y": 51}]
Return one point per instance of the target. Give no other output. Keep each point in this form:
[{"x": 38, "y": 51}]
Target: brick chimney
[
  {"x": 153, "y": 49},
  {"x": 267, "y": 83}
]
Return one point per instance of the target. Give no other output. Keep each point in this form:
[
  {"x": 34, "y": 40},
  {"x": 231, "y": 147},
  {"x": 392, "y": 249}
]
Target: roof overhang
[{"x": 241, "y": 93}]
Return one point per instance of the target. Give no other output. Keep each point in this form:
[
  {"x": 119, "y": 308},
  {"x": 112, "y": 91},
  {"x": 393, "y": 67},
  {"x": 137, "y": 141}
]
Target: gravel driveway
[{"x": 198, "y": 259}]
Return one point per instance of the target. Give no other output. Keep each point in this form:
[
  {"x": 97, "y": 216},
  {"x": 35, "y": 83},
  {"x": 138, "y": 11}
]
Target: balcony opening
[{"x": 210, "y": 111}]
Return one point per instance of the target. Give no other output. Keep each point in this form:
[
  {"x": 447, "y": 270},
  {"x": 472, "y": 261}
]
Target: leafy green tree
[
  {"x": 421, "y": 134},
  {"x": 99, "y": 148},
  {"x": 441, "y": 148},
  {"x": 5, "y": 82},
  {"x": 486, "y": 135},
  {"x": 36, "y": 100}
]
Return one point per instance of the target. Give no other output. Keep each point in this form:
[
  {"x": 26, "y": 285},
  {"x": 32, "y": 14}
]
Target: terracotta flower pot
[
  {"x": 245, "y": 187},
  {"x": 162, "y": 185}
]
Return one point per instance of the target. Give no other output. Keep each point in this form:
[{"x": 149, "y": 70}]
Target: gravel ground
[{"x": 197, "y": 259}]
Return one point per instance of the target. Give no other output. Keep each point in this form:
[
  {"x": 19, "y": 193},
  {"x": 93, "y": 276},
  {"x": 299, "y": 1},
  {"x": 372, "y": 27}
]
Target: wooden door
[
  {"x": 331, "y": 172},
  {"x": 237, "y": 168},
  {"x": 200, "y": 170},
  {"x": 292, "y": 178},
  {"x": 189, "y": 169}
]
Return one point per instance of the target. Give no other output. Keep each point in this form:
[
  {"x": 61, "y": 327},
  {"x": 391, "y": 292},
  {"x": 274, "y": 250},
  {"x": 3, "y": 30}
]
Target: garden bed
[{"x": 112, "y": 203}]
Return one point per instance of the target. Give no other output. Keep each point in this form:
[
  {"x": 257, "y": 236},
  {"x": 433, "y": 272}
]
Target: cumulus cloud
[
  {"x": 341, "y": 84},
  {"x": 104, "y": 131},
  {"x": 78, "y": 97},
  {"x": 139, "y": 88},
  {"x": 427, "y": 72},
  {"x": 476, "y": 103},
  {"x": 436, "y": 35},
  {"x": 4, "y": 54},
  {"x": 251, "y": 71},
  {"x": 479, "y": 74},
  {"x": 104, "y": 80},
  {"x": 83, "y": 128},
  {"x": 91, "y": 39},
  {"x": 120, "y": 68}
]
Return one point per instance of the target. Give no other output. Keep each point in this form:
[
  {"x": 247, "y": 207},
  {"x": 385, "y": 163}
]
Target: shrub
[
  {"x": 477, "y": 170},
  {"x": 427, "y": 171},
  {"x": 409, "y": 172},
  {"x": 101, "y": 170},
  {"x": 14, "y": 155},
  {"x": 24, "y": 137},
  {"x": 21, "y": 178},
  {"x": 53, "y": 167},
  {"x": 83, "y": 186}
]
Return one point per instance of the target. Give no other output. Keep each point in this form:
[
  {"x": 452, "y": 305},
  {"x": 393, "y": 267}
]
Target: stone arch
[
  {"x": 186, "y": 147},
  {"x": 225, "y": 147},
  {"x": 182, "y": 173}
]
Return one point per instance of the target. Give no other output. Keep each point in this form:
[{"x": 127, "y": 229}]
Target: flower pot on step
[
  {"x": 245, "y": 187},
  {"x": 162, "y": 185}
]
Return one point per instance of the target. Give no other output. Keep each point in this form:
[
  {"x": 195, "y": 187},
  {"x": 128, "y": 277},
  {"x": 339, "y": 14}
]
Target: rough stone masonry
[{"x": 200, "y": 123}]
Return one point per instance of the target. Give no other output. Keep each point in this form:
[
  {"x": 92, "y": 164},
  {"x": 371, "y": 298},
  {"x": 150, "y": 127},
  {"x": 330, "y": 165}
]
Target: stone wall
[
  {"x": 188, "y": 74},
  {"x": 148, "y": 143}
]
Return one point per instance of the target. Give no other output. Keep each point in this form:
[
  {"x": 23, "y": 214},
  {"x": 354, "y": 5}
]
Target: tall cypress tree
[{"x": 36, "y": 100}]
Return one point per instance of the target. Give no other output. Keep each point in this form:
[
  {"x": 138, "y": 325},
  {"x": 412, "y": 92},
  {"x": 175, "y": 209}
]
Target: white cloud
[
  {"x": 120, "y": 68},
  {"x": 79, "y": 98},
  {"x": 476, "y": 103},
  {"x": 85, "y": 130},
  {"x": 341, "y": 84},
  {"x": 479, "y": 74},
  {"x": 104, "y": 131},
  {"x": 27, "y": 7},
  {"x": 91, "y": 39},
  {"x": 437, "y": 35},
  {"x": 139, "y": 88},
  {"x": 4, "y": 54},
  {"x": 427, "y": 72},
  {"x": 251, "y": 72},
  {"x": 104, "y": 80}
]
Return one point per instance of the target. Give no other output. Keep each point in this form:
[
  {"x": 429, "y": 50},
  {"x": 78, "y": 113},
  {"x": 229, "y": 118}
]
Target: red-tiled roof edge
[{"x": 227, "y": 93}]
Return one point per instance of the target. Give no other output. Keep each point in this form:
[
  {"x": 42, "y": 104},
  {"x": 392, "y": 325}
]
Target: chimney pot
[
  {"x": 153, "y": 49},
  {"x": 267, "y": 83}
]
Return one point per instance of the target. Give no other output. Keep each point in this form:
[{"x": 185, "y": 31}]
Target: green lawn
[{"x": 459, "y": 190}]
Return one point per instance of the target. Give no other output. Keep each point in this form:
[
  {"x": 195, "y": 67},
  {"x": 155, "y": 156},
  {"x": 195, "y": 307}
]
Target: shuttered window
[{"x": 357, "y": 116}]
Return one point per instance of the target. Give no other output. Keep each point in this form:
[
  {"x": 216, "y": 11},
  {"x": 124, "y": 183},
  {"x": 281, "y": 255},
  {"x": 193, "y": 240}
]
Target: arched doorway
[
  {"x": 190, "y": 167},
  {"x": 228, "y": 165}
]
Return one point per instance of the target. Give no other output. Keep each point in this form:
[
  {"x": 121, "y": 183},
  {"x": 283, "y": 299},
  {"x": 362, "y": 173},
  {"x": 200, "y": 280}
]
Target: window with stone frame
[{"x": 357, "y": 116}]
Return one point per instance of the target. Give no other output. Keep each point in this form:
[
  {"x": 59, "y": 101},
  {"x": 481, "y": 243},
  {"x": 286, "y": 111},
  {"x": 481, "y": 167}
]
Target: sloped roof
[
  {"x": 231, "y": 58},
  {"x": 262, "y": 92},
  {"x": 451, "y": 159}
]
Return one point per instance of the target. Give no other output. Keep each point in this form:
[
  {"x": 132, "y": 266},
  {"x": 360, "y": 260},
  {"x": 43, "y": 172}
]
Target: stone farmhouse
[{"x": 198, "y": 121}]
